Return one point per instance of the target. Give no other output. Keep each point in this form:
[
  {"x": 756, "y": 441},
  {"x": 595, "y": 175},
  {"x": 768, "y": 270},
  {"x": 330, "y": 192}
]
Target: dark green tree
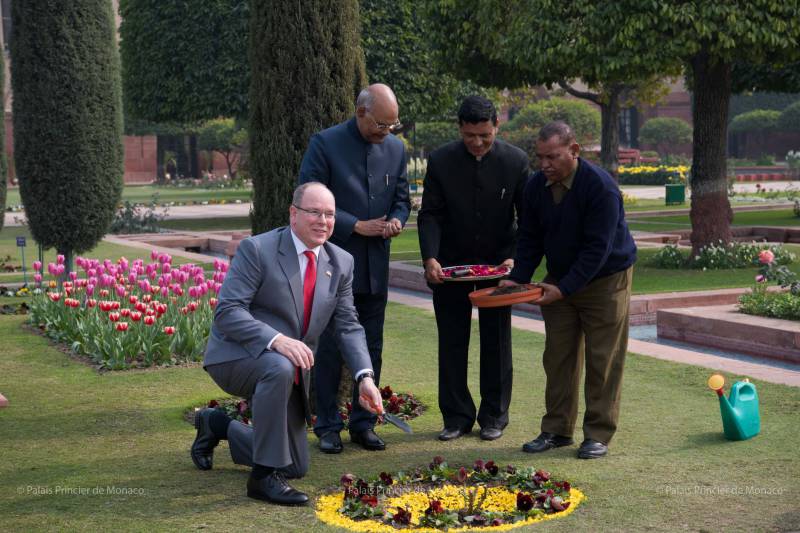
[
  {"x": 616, "y": 46},
  {"x": 399, "y": 53},
  {"x": 65, "y": 74},
  {"x": 226, "y": 137},
  {"x": 307, "y": 67},
  {"x": 551, "y": 42},
  {"x": 184, "y": 61},
  {"x": 3, "y": 161},
  {"x": 789, "y": 119},
  {"x": 664, "y": 132}
]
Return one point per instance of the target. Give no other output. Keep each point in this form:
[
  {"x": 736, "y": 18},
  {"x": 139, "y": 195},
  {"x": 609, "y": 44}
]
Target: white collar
[{"x": 301, "y": 248}]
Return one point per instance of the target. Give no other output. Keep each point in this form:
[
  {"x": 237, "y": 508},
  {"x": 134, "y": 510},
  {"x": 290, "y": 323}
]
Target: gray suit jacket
[{"x": 263, "y": 295}]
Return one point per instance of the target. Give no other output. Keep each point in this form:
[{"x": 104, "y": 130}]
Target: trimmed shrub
[
  {"x": 790, "y": 118},
  {"x": 581, "y": 116},
  {"x": 755, "y": 121},
  {"x": 307, "y": 68},
  {"x": 431, "y": 135},
  {"x": 67, "y": 120},
  {"x": 720, "y": 256},
  {"x": 664, "y": 132}
]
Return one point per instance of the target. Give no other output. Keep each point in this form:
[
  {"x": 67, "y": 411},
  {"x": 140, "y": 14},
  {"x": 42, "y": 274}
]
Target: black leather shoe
[
  {"x": 368, "y": 440},
  {"x": 331, "y": 442},
  {"x": 491, "y": 433},
  {"x": 205, "y": 441},
  {"x": 592, "y": 449},
  {"x": 275, "y": 489},
  {"x": 452, "y": 433},
  {"x": 546, "y": 441}
]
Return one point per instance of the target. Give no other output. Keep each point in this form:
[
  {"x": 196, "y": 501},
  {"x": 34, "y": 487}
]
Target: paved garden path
[{"x": 764, "y": 372}]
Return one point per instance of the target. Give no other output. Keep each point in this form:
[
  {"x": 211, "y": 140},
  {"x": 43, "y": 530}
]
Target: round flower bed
[{"x": 440, "y": 497}]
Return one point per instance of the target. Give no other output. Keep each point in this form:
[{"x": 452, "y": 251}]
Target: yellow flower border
[{"x": 499, "y": 499}]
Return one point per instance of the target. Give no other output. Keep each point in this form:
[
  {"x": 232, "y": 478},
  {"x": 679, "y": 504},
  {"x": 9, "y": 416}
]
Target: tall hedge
[
  {"x": 184, "y": 61},
  {"x": 3, "y": 165},
  {"x": 307, "y": 67},
  {"x": 65, "y": 75}
]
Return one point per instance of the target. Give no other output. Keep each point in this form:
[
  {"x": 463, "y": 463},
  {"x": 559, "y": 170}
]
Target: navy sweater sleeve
[{"x": 599, "y": 228}]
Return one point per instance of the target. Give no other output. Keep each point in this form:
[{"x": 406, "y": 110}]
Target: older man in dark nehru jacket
[
  {"x": 283, "y": 289},
  {"x": 472, "y": 198},
  {"x": 573, "y": 216},
  {"x": 365, "y": 168}
]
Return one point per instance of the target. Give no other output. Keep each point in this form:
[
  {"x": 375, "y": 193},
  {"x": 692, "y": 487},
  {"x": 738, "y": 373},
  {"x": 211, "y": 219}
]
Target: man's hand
[
  {"x": 508, "y": 263},
  {"x": 370, "y": 397},
  {"x": 392, "y": 229},
  {"x": 294, "y": 350},
  {"x": 433, "y": 271},
  {"x": 371, "y": 228},
  {"x": 507, "y": 283},
  {"x": 550, "y": 294}
]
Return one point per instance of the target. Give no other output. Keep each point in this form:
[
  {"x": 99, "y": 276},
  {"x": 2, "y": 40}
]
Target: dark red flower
[
  {"x": 386, "y": 392},
  {"x": 438, "y": 460},
  {"x": 479, "y": 465},
  {"x": 386, "y": 478},
  {"x": 511, "y": 469},
  {"x": 370, "y": 500},
  {"x": 350, "y": 493},
  {"x": 461, "y": 476},
  {"x": 478, "y": 520},
  {"x": 543, "y": 474},
  {"x": 435, "y": 507},
  {"x": 347, "y": 479},
  {"x": 492, "y": 468},
  {"x": 241, "y": 407},
  {"x": 541, "y": 497},
  {"x": 524, "y": 502},
  {"x": 213, "y": 403},
  {"x": 349, "y": 407},
  {"x": 402, "y": 516},
  {"x": 497, "y": 522},
  {"x": 245, "y": 420}
]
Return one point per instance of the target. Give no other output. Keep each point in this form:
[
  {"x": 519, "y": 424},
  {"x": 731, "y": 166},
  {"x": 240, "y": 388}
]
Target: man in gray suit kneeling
[{"x": 282, "y": 289}]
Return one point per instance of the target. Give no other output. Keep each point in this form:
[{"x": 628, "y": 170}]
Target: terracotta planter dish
[
  {"x": 474, "y": 272},
  {"x": 487, "y": 298}
]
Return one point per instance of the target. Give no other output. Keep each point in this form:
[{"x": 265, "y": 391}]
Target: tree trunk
[
  {"x": 711, "y": 213},
  {"x": 609, "y": 140}
]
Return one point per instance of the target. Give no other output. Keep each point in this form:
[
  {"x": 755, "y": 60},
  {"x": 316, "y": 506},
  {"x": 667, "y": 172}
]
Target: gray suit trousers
[{"x": 278, "y": 435}]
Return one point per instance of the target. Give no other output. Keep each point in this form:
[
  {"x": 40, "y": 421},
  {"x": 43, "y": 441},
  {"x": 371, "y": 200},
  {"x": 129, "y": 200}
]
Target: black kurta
[{"x": 468, "y": 216}]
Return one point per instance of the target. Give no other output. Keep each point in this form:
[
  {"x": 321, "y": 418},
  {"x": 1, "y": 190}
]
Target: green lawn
[
  {"x": 8, "y": 247},
  {"x": 144, "y": 193},
  {"x": 72, "y": 429},
  {"x": 774, "y": 217}
]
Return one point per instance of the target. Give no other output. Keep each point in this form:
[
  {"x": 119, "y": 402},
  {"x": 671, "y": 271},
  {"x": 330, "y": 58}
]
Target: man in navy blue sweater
[{"x": 573, "y": 216}]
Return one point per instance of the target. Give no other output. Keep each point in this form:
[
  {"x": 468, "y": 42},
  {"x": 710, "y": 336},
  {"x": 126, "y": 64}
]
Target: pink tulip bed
[{"x": 124, "y": 314}]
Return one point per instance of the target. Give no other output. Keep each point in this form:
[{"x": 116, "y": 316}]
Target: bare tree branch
[{"x": 585, "y": 95}]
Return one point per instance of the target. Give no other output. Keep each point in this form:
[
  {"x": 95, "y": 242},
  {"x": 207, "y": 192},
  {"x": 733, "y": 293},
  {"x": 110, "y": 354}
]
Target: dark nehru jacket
[
  {"x": 475, "y": 224},
  {"x": 584, "y": 237}
]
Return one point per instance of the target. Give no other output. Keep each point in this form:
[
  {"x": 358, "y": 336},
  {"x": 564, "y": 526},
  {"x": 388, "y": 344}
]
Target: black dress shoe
[
  {"x": 491, "y": 433},
  {"x": 453, "y": 433},
  {"x": 546, "y": 441},
  {"x": 592, "y": 449},
  {"x": 331, "y": 442},
  {"x": 275, "y": 489},
  {"x": 205, "y": 441},
  {"x": 368, "y": 440}
]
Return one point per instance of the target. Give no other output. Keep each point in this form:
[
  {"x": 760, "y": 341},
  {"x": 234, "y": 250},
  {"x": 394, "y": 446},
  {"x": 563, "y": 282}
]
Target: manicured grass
[
  {"x": 206, "y": 224},
  {"x": 71, "y": 429},
  {"x": 774, "y": 217},
  {"x": 144, "y": 193},
  {"x": 103, "y": 250}
]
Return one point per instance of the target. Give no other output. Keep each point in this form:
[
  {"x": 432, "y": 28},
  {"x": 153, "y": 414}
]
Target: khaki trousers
[{"x": 590, "y": 325}]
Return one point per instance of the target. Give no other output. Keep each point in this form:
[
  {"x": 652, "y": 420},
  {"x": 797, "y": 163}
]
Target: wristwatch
[{"x": 367, "y": 374}]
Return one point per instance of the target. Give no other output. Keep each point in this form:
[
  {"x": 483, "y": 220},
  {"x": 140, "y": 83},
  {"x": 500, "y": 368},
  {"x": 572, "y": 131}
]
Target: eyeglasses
[
  {"x": 317, "y": 214},
  {"x": 383, "y": 126}
]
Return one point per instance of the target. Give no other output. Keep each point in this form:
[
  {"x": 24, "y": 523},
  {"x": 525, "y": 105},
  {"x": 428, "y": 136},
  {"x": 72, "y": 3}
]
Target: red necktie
[{"x": 309, "y": 282}]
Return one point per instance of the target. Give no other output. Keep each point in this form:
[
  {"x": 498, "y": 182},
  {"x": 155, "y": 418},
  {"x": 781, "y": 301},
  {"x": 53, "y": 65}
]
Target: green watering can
[{"x": 739, "y": 410}]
